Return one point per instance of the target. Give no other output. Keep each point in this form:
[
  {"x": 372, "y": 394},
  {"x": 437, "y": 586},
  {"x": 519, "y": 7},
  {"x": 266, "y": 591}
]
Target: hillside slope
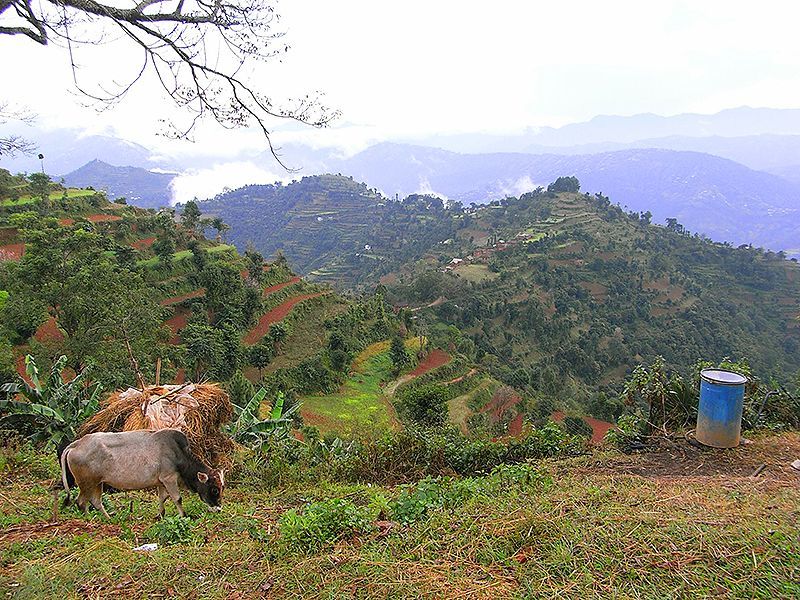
[{"x": 714, "y": 196}]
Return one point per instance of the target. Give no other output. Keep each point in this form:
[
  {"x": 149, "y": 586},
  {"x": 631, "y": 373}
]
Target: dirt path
[
  {"x": 12, "y": 251},
  {"x": 435, "y": 359},
  {"x": 276, "y": 314},
  {"x": 188, "y": 296},
  {"x": 279, "y": 286},
  {"x": 599, "y": 428},
  {"x": 144, "y": 243},
  {"x": 462, "y": 378}
]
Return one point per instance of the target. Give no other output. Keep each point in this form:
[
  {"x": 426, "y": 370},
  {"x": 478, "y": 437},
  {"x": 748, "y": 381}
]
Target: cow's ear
[
  {"x": 222, "y": 477},
  {"x": 203, "y": 477}
]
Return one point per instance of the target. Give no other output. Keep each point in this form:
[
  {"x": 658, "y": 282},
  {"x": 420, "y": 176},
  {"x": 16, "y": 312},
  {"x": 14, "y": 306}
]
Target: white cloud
[
  {"x": 206, "y": 183},
  {"x": 424, "y": 187}
]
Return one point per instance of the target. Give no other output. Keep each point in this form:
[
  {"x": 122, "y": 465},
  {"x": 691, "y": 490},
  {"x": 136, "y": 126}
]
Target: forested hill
[
  {"x": 330, "y": 226},
  {"x": 559, "y": 292},
  {"x": 563, "y": 292}
]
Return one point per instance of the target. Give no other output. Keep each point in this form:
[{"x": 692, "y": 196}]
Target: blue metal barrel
[{"x": 719, "y": 416}]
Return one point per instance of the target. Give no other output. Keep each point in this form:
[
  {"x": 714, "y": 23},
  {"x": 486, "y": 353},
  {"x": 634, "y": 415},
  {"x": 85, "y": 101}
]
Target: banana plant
[
  {"x": 52, "y": 411},
  {"x": 249, "y": 429}
]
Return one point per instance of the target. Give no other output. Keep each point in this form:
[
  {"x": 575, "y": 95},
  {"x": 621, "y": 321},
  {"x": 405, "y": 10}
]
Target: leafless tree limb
[
  {"x": 197, "y": 49},
  {"x": 11, "y": 145}
]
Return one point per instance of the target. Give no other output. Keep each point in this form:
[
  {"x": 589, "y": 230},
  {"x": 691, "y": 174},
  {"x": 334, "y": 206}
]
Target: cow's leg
[
  {"x": 171, "y": 484},
  {"x": 82, "y": 500},
  {"x": 162, "y": 496},
  {"x": 96, "y": 498}
]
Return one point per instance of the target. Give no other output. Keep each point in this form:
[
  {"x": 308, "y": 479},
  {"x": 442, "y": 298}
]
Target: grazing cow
[{"x": 137, "y": 460}]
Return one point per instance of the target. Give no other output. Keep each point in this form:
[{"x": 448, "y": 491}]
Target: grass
[
  {"x": 56, "y": 195},
  {"x": 359, "y": 405},
  {"x": 153, "y": 262},
  {"x": 584, "y": 534},
  {"x": 476, "y": 273}
]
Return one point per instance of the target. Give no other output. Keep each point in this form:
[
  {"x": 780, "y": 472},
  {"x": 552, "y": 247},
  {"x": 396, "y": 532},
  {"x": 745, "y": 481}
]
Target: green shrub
[
  {"x": 323, "y": 523},
  {"x": 627, "y": 431},
  {"x": 171, "y": 530},
  {"x": 412, "y": 453}
]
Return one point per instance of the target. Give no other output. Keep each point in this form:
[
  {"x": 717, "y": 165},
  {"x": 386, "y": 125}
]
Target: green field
[
  {"x": 28, "y": 199},
  {"x": 359, "y": 405},
  {"x": 475, "y": 272}
]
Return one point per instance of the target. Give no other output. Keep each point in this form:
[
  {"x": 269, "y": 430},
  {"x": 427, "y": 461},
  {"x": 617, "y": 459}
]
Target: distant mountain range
[
  {"x": 139, "y": 186},
  {"x": 707, "y": 194},
  {"x": 674, "y": 167},
  {"x": 67, "y": 149}
]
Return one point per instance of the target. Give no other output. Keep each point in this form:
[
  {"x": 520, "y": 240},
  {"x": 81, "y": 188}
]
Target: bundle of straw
[{"x": 202, "y": 410}]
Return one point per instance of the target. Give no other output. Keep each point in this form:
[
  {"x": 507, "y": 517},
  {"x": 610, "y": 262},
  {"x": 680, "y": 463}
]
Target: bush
[
  {"x": 413, "y": 453},
  {"x": 323, "y": 523},
  {"x": 171, "y": 530},
  {"x": 577, "y": 426},
  {"x": 425, "y": 406},
  {"x": 628, "y": 431}
]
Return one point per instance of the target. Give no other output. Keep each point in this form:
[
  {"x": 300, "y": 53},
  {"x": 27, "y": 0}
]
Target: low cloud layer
[{"x": 206, "y": 183}]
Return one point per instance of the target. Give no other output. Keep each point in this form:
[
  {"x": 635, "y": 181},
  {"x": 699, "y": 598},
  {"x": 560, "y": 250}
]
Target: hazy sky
[
  {"x": 417, "y": 68},
  {"x": 420, "y": 67}
]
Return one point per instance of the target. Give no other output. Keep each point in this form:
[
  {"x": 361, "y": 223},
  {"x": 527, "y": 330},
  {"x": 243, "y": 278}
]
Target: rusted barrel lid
[{"x": 723, "y": 377}]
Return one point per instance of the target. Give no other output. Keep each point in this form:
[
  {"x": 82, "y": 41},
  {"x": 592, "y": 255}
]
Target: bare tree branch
[
  {"x": 11, "y": 145},
  {"x": 197, "y": 49}
]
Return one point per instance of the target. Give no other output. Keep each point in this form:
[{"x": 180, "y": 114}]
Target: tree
[
  {"x": 53, "y": 411},
  {"x": 106, "y": 313},
  {"x": 39, "y": 184},
  {"x": 398, "y": 353},
  {"x": 190, "y": 217},
  {"x": 278, "y": 332},
  {"x": 164, "y": 249},
  {"x": 221, "y": 226},
  {"x": 259, "y": 356},
  {"x": 199, "y": 51},
  {"x": 565, "y": 184},
  {"x": 426, "y": 405}
]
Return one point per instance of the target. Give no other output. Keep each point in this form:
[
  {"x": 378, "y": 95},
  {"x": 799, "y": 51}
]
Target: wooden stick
[
  {"x": 158, "y": 371},
  {"x": 758, "y": 470}
]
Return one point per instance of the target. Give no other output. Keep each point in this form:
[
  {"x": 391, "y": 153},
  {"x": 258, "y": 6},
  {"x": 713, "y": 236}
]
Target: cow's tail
[{"x": 65, "y": 475}]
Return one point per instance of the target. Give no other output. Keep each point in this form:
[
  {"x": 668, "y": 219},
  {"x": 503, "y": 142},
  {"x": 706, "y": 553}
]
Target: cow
[{"x": 138, "y": 460}]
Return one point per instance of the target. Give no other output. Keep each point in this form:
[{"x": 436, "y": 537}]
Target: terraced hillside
[
  {"x": 307, "y": 220},
  {"x": 331, "y": 228},
  {"x": 564, "y": 293}
]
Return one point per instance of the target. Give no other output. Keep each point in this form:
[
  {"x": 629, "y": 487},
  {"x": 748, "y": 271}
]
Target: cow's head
[{"x": 211, "y": 486}]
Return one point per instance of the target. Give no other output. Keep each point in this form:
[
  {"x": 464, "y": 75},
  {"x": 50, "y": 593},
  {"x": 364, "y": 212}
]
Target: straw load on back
[{"x": 198, "y": 410}]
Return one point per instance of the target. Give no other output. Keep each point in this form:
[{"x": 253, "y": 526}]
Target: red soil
[
  {"x": 180, "y": 375},
  {"x": 273, "y": 316},
  {"x": 98, "y": 218},
  {"x": 143, "y": 244},
  {"x": 12, "y": 251},
  {"x": 19, "y": 363},
  {"x": 434, "y": 360},
  {"x": 177, "y": 322},
  {"x": 462, "y": 378},
  {"x": 48, "y": 331},
  {"x": 599, "y": 428},
  {"x": 515, "y": 426},
  {"x": 279, "y": 286},
  {"x": 503, "y": 400},
  {"x": 102, "y": 218},
  {"x": 188, "y": 296}
]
